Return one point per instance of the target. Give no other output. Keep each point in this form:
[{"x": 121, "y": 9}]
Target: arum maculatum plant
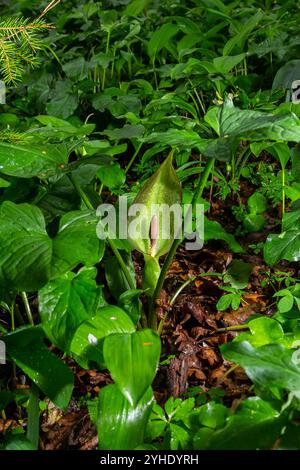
[{"x": 159, "y": 227}]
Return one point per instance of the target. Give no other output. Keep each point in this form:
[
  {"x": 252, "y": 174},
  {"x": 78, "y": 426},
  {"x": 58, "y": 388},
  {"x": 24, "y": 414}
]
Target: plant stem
[
  {"x": 133, "y": 158},
  {"x": 106, "y": 52},
  {"x": 283, "y": 189},
  {"x": 111, "y": 243},
  {"x": 198, "y": 193},
  {"x": 33, "y": 416},
  {"x": 27, "y": 308},
  {"x": 81, "y": 193},
  {"x": 232, "y": 328},
  {"x": 12, "y": 316}
]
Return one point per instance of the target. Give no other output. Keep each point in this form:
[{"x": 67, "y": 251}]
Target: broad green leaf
[
  {"x": 224, "y": 302},
  {"x": 132, "y": 360},
  {"x": 280, "y": 150},
  {"x": 26, "y": 347},
  {"x": 18, "y": 442},
  {"x": 255, "y": 425},
  {"x": 64, "y": 101},
  {"x": 87, "y": 342},
  {"x": 284, "y": 246},
  {"x": 25, "y": 248},
  {"x": 76, "y": 242},
  {"x": 214, "y": 231},
  {"x": 287, "y": 74},
  {"x": 130, "y": 302},
  {"x": 120, "y": 425},
  {"x": 263, "y": 330},
  {"x": 160, "y": 38},
  {"x": 66, "y": 302},
  {"x": 29, "y": 257},
  {"x": 270, "y": 365},
  {"x": 112, "y": 175},
  {"x": 254, "y": 223},
  {"x": 28, "y": 160},
  {"x": 135, "y": 7},
  {"x": 244, "y": 29},
  {"x": 213, "y": 415},
  {"x": 291, "y": 220},
  {"x": 286, "y": 303},
  {"x": 224, "y": 64},
  {"x": 227, "y": 120},
  {"x": 161, "y": 189},
  {"x": 114, "y": 275},
  {"x": 126, "y": 132},
  {"x": 238, "y": 274},
  {"x": 257, "y": 203}
]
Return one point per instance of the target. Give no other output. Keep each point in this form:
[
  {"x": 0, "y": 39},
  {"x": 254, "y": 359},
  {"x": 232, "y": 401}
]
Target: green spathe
[{"x": 156, "y": 230}]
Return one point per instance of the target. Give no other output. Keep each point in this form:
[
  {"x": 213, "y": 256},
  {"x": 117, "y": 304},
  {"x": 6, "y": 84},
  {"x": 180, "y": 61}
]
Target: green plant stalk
[
  {"x": 111, "y": 243},
  {"x": 33, "y": 424},
  {"x": 177, "y": 241},
  {"x": 106, "y": 52},
  {"x": 27, "y": 308},
  {"x": 133, "y": 158},
  {"x": 232, "y": 328},
  {"x": 283, "y": 189}
]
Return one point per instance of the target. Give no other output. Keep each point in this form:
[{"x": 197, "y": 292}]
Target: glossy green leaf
[
  {"x": 254, "y": 223},
  {"x": 29, "y": 257},
  {"x": 214, "y": 231},
  {"x": 263, "y": 330},
  {"x": 18, "y": 442},
  {"x": 66, "y": 302},
  {"x": 130, "y": 302},
  {"x": 26, "y": 161},
  {"x": 257, "y": 203},
  {"x": 213, "y": 415},
  {"x": 76, "y": 242},
  {"x": 115, "y": 278},
  {"x": 120, "y": 425},
  {"x": 227, "y": 120},
  {"x": 112, "y": 175},
  {"x": 135, "y": 7},
  {"x": 132, "y": 360},
  {"x": 87, "y": 342},
  {"x": 238, "y": 274},
  {"x": 26, "y": 347},
  {"x": 270, "y": 365},
  {"x": 284, "y": 246},
  {"x": 255, "y": 425},
  {"x": 160, "y": 38}
]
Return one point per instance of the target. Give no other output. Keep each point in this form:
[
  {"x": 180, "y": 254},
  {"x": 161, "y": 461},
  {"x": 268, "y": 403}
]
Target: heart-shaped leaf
[
  {"x": 29, "y": 258},
  {"x": 66, "y": 302},
  {"x": 87, "y": 343},
  {"x": 132, "y": 360},
  {"x": 28, "y": 160},
  {"x": 270, "y": 365}
]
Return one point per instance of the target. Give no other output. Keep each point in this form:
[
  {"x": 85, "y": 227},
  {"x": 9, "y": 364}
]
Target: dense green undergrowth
[{"x": 99, "y": 95}]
